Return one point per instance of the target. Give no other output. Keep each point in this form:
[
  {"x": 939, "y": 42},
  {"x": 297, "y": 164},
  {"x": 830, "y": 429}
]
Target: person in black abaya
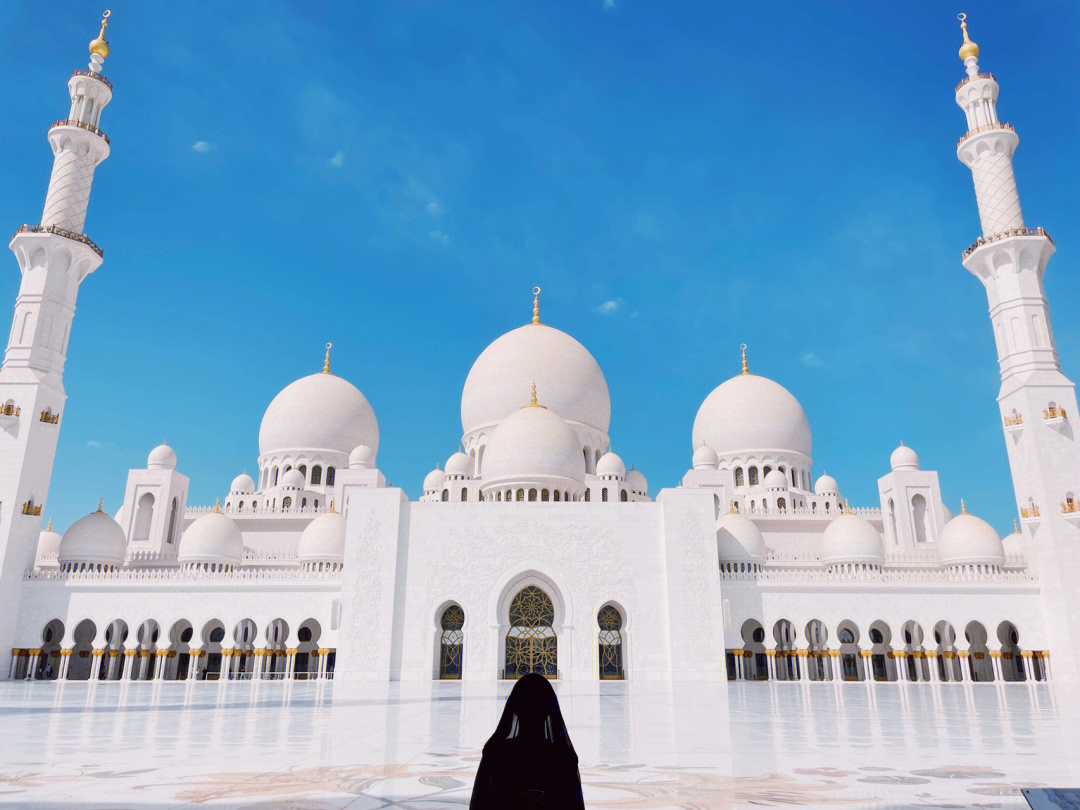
[{"x": 529, "y": 762}]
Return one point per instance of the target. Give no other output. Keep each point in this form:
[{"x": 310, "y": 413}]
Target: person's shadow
[{"x": 529, "y": 762}]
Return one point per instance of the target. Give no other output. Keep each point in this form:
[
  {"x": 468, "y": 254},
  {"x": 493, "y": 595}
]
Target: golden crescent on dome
[
  {"x": 99, "y": 47},
  {"x": 969, "y": 48},
  {"x": 536, "y": 305}
]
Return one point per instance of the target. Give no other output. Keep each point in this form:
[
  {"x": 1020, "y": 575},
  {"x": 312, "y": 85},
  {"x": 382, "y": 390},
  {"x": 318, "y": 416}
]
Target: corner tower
[
  {"x": 54, "y": 257},
  {"x": 1037, "y": 402}
]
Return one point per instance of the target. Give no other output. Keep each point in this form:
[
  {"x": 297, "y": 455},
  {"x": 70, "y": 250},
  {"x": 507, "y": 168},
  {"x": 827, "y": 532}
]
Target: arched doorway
[
  {"x": 275, "y": 659},
  {"x": 305, "y": 664},
  {"x": 243, "y": 652},
  {"x": 787, "y": 663},
  {"x": 48, "y": 662},
  {"x": 948, "y": 662},
  {"x": 531, "y": 644},
  {"x": 451, "y": 641},
  {"x": 882, "y": 664},
  {"x": 818, "y": 660},
  {"x": 979, "y": 663},
  {"x": 144, "y": 662},
  {"x": 81, "y": 661},
  {"x": 179, "y": 660},
  {"x": 213, "y": 634},
  {"x": 1012, "y": 665},
  {"x": 112, "y": 667},
  {"x": 755, "y": 662},
  {"x": 851, "y": 665},
  {"x": 914, "y": 657},
  {"x": 611, "y": 650}
]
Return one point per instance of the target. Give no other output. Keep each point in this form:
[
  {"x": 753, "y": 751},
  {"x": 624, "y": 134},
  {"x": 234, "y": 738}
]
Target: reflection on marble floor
[{"x": 323, "y": 745}]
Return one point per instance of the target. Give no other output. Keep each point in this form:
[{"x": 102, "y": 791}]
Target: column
[
  {"x": 194, "y": 653},
  {"x": 95, "y": 666},
  {"x": 995, "y": 658},
  {"x": 739, "y": 666},
  {"x": 16, "y": 654},
  {"x": 65, "y": 660},
  {"x": 770, "y": 657},
  {"x": 290, "y": 668},
  {"x": 34, "y": 655}
]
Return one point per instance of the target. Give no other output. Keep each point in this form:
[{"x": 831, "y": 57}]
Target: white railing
[
  {"x": 181, "y": 575},
  {"x": 905, "y": 575},
  {"x": 806, "y": 511},
  {"x": 262, "y": 511}
]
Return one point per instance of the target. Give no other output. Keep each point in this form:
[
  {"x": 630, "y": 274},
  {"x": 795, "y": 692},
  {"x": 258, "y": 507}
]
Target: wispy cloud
[
  {"x": 811, "y": 360},
  {"x": 610, "y": 307},
  {"x": 95, "y": 444},
  {"x": 338, "y": 160},
  {"x": 202, "y": 147},
  {"x": 434, "y": 208},
  {"x": 440, "y": 237},
  {"x": 609, "y": 5}
]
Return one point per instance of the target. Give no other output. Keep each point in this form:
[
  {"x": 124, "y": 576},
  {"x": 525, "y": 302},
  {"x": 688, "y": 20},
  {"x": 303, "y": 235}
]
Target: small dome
[
  {"x": 161, "y": 457},
  {"x": 459, "y": 464},
  {"x": 320, "y": 412},
  {"x": 243, "y": 483},
  {"x": 434, "y": 480},
  {"x": 738, "y": 539},
  {"x": 968, "y": 540},
  {"x": 292, "y": 479},
  {"x": 851, "y": 539},
  {"x": 610, "y": 464},
  {"x": 212, "y": 538},
  {"x": 96, "y": 539},
  {"x": 775, "y": 480},
  {"x": 362, "y": 457},
  {"x": 904, "y": 458},
  {"x": 705, "y": 458},
  {"x": 533, "y": 443},
  {"x": 636, "y": 482},
  {"x": 826, "y": 485},
  {"x": 48, "y": 546},
  {"x": 1013, "y": 544},
  {"x": 749, "y": 413},
  {"x": 323, "y": 539}
]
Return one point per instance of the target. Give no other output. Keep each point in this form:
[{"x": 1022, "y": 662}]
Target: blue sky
[{"x": 678, "y": 177}]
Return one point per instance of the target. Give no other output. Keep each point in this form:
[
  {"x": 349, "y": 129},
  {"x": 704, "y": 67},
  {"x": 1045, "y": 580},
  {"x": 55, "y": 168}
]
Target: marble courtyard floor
[{"x": 317, "y": 746}]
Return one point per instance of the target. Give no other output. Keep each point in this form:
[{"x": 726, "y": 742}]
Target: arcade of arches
[{"x": 943, "y": 656}]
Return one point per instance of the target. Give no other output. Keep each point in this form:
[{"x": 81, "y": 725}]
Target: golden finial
[
  {"x": 847, "y": 508},
  {"x": 745, "y": 370},
  {"x": 1016, "y": 529},
  {"x": 331, "y": 504},
  {"x": 326, "y": 360},
  {"x": 533, "y": 403},
  {"x": 100, "y": 505},
  {"x": 217, "y": 504},
  {"x": 49, "y": 527},
  {"x": 536, "y": 305},
  {"x": 969, "y": 48},
  {"x": 99, "y": 47},
  {"x": 963, "y": 509}
]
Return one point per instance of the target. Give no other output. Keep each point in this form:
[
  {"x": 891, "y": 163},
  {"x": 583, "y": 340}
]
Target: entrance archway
[
  {"x": 611, "y": 650},
  {"x": 451, "y": 641},
  {"x": 531, "y": 643}
]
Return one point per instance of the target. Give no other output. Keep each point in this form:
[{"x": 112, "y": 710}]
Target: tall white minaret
[
  {"x": 1038, "y": 403},
  {"x": 54, "y": 257}
]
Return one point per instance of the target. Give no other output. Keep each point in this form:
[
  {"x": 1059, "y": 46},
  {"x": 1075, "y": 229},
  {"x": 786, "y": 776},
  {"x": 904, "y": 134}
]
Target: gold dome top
[
  {"x": 99, "y": 46},
  {"x": 969, "y": 48}
]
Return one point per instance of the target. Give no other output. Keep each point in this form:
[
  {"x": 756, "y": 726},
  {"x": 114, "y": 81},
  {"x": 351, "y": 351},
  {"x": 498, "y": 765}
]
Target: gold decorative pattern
[
  {"x": 610, "y": 621},
  {"x": 1014, "y": 420},
  {"x": 1029, "y": 511},
  {"x": 531, "y": 643},
  {"x": 453, "y": 619}
]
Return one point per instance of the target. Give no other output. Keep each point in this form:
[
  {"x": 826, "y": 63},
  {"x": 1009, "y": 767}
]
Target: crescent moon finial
[
  {"x": 326, "y": 360},
  {"x": 536, "y": 305}
]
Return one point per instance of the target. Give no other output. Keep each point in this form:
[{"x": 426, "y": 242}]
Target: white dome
[
  {"x": 318, "y": 412},
  {"x": 705, "y": 458},
  {"x": 610, "y": 464},
  {"x": 323, "y": 539},
  {"x": 459, "y": 464},
  {"x": 1013, "y": 544},
  {"x": 826, "y": 485},
  {"x": 292, "y": 479},
  {"x": 738, "y": 539},
  {"x": 968, "y": 540},
  {"x": 434, "y": 480},
  {"x": 851, "y": 539},
  {"x": 161, "y": 457},
  {"x": 533, "y": 443},
  {"x": 904, "y": 458},
  {"x": 775, "y": 480},
  {"x": 636, "y": 482},
  {"x": 96, "y": 539},
  {"x": 48, "y": 546},
  {"x": 362, "y": 457},
  {"x": 567, "y": 376},
  {"x": 212, "y": 538},
  {"x": 242, "y": 483},
  {"x": 751, "y": 413}
]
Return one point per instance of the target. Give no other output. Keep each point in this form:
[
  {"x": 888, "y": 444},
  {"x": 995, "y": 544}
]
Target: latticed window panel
[
  {"x": 450, "y": 655},
  {"x": 453, "y": 618},
  {"x": 531, "y": 643}
]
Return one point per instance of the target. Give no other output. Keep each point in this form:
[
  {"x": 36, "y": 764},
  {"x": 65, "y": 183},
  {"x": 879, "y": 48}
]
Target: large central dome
[
  {"x": 318, "y": 412},
  {"x": 750, "y": 413},
  {"x": 564, "y": 372}
]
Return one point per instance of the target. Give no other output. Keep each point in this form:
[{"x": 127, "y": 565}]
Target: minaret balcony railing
[
  {"x": 93, "y": 75},
  {"x": 78, "y": 237},
  {"x": 1014, "y": 420},
  {"x": 1069, "y": 507},
  {"x": 75, "y": 122},
  {"x": 984, "y": 128},
  {"x": 32, "y": 509},
  {"x": 9, "y": 410},
  {"x": 1029, "y": 512},
  {"x": 974, "y": 78},
  {"x": 50, "y": 418},
  {"x": 1053, "y": 412},
  {"x": 997, "y": 237}
]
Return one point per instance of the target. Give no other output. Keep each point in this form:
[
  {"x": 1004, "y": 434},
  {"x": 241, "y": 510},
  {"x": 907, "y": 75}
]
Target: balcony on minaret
[
  {"x": 984, "y": 128},
  {"x": 74, "y": 122},
  {"x": 31, "y": 509},
  {"x": 1030, "y": 513},
  {"x": 78, "y": 237},
  {"x": 9, "y": 412},
  {"x": 50, "y": 418},
  {"x": 1014, "y": 423},
  {"x": 1006, "y": 234},
  {"x": 1054, "y": 415},
  {"x": 1070, "y": 509}
]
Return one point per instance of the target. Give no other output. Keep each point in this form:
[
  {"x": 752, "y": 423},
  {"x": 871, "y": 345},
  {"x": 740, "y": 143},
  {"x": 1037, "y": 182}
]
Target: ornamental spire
[
  {"x": 745, "y": 370},
  {"x": 99, "y": 48},
  {"x": 963, "y": 509},
  {"x": 536, "y": 305},
  {"x": 969, "y": 50},
  {"x": 101, "y": 505},
  {"x": 326, "y": 360}
]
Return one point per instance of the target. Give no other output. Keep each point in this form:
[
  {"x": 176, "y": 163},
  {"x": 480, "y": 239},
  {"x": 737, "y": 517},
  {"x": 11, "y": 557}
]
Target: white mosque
[{"x": 535, "y": 548}]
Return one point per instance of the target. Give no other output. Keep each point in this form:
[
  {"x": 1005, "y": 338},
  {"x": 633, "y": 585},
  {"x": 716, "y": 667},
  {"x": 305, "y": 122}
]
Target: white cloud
[
  {"x": 434, "y": 208},
  {"x": 609, "y": 5},
  {"x": 96, "y": 445},
  {"x": 609, "y": 307},
  {"x": 338, "y": 160},
  {"x": 812, "y": 360},
  {"x": 202, "y": 147},
  {"x": 440, "y": 237}
]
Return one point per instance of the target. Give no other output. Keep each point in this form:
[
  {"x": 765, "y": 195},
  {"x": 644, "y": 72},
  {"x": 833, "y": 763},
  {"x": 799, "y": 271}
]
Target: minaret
[
  {"x": 54, "y": 257},
  {"x": 1037, "y": 402}
]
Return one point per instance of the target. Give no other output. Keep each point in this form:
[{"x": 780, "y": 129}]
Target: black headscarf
[{"x": 529, "y": 762}]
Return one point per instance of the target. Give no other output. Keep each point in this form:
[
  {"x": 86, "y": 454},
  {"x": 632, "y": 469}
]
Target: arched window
[
  {"x": 532, "y": 496},
  {"x": 753, "y": 476},
  {"x": 316, "y": 475},
  {"x": 826, "y": 506},
  {"x": 766, "y": 470},
  {"x": 240, "y": 507},
  {"x": 274, "y": 484},
  {"x": 545, "y": 495},
  {"x": 446, "y": 494},
  {"x": 918, "y": 517},
  {"x": 450, "y": 643},
  {"x": 303, "y": 503},
  {"x": 144, "y": 514},
  {"x": 286, "y": 503},
  {"x": 611, "y": 658},
  {"x": 464, "y": 494},
  {"x": 557, "y": 496},
  {"x": 520, "y": 495},
  {"x": 303, "y": 470},
  {"x": 588, "y": 493},
  {"x": 623, "y": 497},
  {"x": 739, "y": 476},
  {"x": 531, "y": 644},
  {"x": 171, "y": 536},
  {"x": 329, "y": 476},
  {"x": 781, "y": 504}
]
